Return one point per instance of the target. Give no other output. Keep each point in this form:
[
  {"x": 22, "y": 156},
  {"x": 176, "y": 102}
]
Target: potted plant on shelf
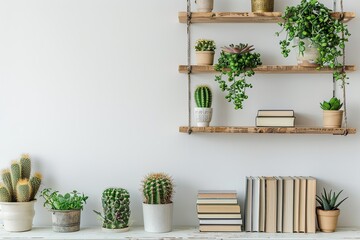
[
  {"x": 328, "y": 212},
  {"x": 158, "y": 191},
  {"x": 65, "y": 208},
  {"x": 204, "y": 5},
  {"x": 116, "y": 207},
  {"x": 236, "y": 62},
  {"x": 262, "y": 5},
  {"x": 205, "y": 51},
  {"x": 203, "y": 111},
  {"x": 332, "y": 115},
  {"x": 17, "y": 195}
]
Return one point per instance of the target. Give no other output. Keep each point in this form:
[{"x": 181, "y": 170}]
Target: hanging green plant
[
  {"x": 236, "y": 62},
  {"x": 312, "y": 20}
]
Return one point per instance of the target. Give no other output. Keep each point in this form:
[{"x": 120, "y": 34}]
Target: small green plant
[
  {"x": 68, "y": 201},
  {"x": 203, "y": 97},
  {"x": 205, "y": 45},
  {"x": 333, "y": 104},
  {"x": 237, "y": 63},
  {"x": 157, "y": 188},
  {"x": 116, "y": 206},
  {"x": 328, "y": 200}
]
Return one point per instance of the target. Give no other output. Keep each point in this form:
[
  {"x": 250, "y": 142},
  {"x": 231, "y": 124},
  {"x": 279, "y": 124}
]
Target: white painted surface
[{"x": 90, "y": 89}]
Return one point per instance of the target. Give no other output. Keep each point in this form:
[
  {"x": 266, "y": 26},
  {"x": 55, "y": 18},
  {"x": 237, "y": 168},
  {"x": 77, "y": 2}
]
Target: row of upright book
[
  {"x": 218, "y": 211},
  {"x": 280, "y": 204}
]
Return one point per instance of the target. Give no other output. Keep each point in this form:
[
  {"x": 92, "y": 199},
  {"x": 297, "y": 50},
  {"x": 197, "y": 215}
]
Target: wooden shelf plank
[
  {"x": 267, "y": 69},
  {"x": 245, "y": 17},
  {"x": 274, "y": 130}
]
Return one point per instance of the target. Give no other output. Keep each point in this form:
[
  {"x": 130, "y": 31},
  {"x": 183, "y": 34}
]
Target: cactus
[
  {"x": 203, "y": 97},
  {"x": 6, "y": 177},
  {"x": 15, "y": 175},
  {"x": 158, "y": 188},
  {"x": 35, "y": 182},
  {"x": 116, "y": 206},
  {"x": 5, "y": 195},
  {"x": 205, "y": 45},
  {"x": 25, "y": 164},
  {"x": 23, "y": 190}
]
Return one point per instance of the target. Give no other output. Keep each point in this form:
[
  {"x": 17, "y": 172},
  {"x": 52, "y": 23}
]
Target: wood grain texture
[
  {"x": 267, "y": 69},
  {"x": 245, "y": 17},
  {"x": 273, "y": 130}
]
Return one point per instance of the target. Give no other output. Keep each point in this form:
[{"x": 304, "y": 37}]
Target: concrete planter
[
  {"x": 203, "y": 116},
  {"x": 17, "y": 216},
  {"x": 66, "y": 220},
  {"x": 158, "y": 217},
  {"x": 310, "y": 55},
  {"x": 332, "y": 118},
  {"x": 327, "y": 219},
  {"x": 204, "y": 5},
  {"x": 205, "y": 57}
]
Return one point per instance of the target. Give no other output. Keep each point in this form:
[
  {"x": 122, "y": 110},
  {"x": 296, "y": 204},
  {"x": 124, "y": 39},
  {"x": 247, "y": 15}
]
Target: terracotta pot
[
  {"x": 332, "y": 118},
  {"x": 205, "y": 57},
  {"x": 204, "y": 5},
  {"x": 262, "y": 5},
  {"x": 327, "y": 219},
  {"x": 308, "y": 59},
  {"x": 203, "y": 116}
]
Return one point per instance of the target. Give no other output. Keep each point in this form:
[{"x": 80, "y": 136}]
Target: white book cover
[
  {"x": 248, "y": 205},
  {"x": 255, "y": 204},
  {"x": 220, "y": 221},
  {"x": 279, "y": 217}
]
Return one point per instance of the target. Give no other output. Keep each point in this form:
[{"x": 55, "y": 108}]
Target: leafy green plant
[
  {"x": 68, "y": 201},
  {"x": 205, "y": 45},
  {"x": 333, "y": 104},
  {"x": 328, "y": 200},
  {"x": 203, "y": 97},
  {"x": 312, "y": 19},
  {"x": 236, "y": 63},
  {"x": 157, "y": 188}
]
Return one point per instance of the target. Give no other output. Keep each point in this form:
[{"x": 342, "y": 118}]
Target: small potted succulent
[
  {"x": 204, "y": 5},
  {"x": 65, "y": 208},
  {"x": 205, "y": 52},
  {"x": 157, "y": 189},
  {"x": 262, "y": 5},
  {"x": 17, "y": 195},
  {"x": 203, "y": 111},
  {"x": 116, "y": 207},
  {"x": 328, "y": 212},
  {"x": 332, "y": 115}
]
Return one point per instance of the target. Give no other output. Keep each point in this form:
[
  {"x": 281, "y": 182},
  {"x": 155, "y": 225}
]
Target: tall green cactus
[
  {"x": 23, "y": 190},
  {"x": 15, "y": 170},
  {"x": 6, "y": 177},
  {"x": 35, "y": 183},
  {"x": 158, "y": 188},
  {"x": 203, "y": 97},
  {"x": 5, "y": 195},
  {"x": 116, "y": 206},
  {"x": 25, "y": 164}
]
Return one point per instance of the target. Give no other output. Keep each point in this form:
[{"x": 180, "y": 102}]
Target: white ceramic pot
[
  {"x": 205, "y": 57},
  {"x": 204, "y": 5},
  {"x": 158, "y": 218},
  {"x": 17, "y": 216},
  {"x": 332, "y": 118},
  {"x": 310, "y": 55},
  {"x": 203, "y": 116}
]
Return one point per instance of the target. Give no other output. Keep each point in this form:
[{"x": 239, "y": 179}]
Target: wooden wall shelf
[
  {"x": 268, "y": 69},
  {"x": 244, "y": 17},
  {"x": 274, "y": 130}
]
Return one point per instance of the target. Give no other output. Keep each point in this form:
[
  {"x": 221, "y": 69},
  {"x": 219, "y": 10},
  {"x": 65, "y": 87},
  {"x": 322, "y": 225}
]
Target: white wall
[{"x": 91, "y": 90}]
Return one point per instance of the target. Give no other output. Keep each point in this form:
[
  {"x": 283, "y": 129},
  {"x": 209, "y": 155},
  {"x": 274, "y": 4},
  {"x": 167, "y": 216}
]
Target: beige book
[
  {"x": 217, "y": 201},
  {"x": 279, "y": 216},
  {"x": 217, "y": 194},
  {"x": 271, "y": 205},
  {"x": 220, "y": 228},
  {"x": 296, "y": 203},
  {"x": 262, "y": 205},
  {"x": 288, "y": 205},
  {"x": 218, "y": 208},
  {"x": 302, "y": 205},
  {"x": 311, "y": 205},
  {"x": 219, "y": 215}
]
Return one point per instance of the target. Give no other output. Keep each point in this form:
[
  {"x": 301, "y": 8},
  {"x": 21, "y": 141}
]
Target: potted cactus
[
  {"x": 332, "y": 115},
  {"x": 116, "y": 206},
  {"x": 204, "y": 5},
  {"x": 205, "y": 52},
  {"x": 65, "y": 208},
  {"x": 203, "y": 111},
  {"x": 328, "y": 212},
  {"x": 17, "y": 195},
  {"x": 157, "y": 189}
]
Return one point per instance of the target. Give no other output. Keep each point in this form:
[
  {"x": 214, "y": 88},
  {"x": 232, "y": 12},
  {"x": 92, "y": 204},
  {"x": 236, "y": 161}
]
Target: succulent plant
[
  {"x": 157, "y": 188},
  {"x": 35, "y": 183},
  {"x": 5, "y": 195},
  {"x": 238, "y": 49},
  {"x": 203, "y": 97},
  {"x": 116, "y": 207},
  {"x": 205, "y": 45},
  {"x": 25, "y": 166},
  {"x": 333, "y": 104},
  {"x": 6, "y": 177},
  {"x": 328, "y": 201},
  {"x": 23, "y": 190}
]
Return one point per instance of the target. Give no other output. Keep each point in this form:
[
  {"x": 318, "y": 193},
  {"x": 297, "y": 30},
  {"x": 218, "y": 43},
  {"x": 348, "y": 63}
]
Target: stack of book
[
  {"x": 280, "y": 204},
  {"x": 275, "y": 118},
  {"x": 219, "y": 211}
]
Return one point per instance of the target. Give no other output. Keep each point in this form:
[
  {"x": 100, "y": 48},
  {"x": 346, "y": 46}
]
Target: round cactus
[
  {"x": 158, "y": 188},
  {"x": 5, "y": 195},
  {"x": 203, "y": 97}
]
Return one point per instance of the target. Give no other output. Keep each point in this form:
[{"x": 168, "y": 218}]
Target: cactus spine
[
  {"x": 6, "y": 177},
  {"x": 203, "y": 97},
  {"x": 25, "y": 164},
  {"x": 158, "y": 188},
  {"x": 5, "y": 195},
  {"x": 23, "y": 190},
  {"x": 35, "y": 183}
]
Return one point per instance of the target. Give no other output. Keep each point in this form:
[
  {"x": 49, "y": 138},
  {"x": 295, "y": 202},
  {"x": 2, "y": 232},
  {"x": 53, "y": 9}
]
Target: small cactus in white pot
[
  {"x": 205, "y": 52},
  {"x": 203, "y": 111}
]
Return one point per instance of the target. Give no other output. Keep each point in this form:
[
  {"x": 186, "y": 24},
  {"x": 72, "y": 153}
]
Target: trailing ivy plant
[
  {"x": 312, "y": 19},
  {"x": 236, "y": 63}
]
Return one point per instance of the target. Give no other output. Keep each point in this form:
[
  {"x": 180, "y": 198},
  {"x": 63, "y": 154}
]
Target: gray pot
[{"x": 66, "y": 220}]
